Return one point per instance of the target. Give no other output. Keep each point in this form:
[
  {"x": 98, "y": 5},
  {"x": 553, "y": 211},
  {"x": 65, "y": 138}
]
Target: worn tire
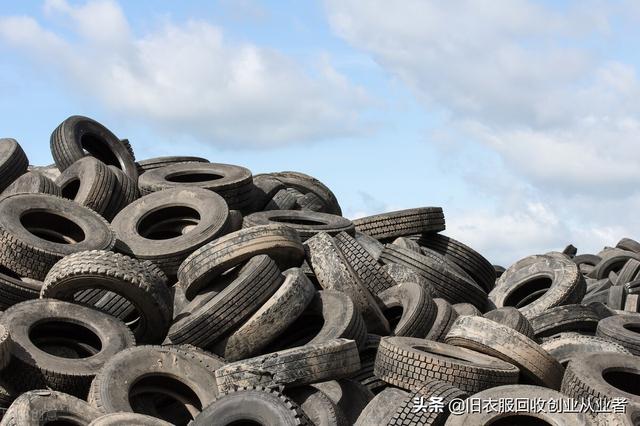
[
  {"x": 159, "y": 370},
  {"x": 29, "y": 249},
  {"x": 603, "y": 376},
  {"x": 350, "y": 396},
  {"x": 489, "y": 337},
  {"x": 33, "y": 182},
  {"x": 382, "y": 408},
  {"x": 464, "y": 256},
  {"x": 581, "y": 318},
  {"x": 78, "y": 137},
  {"x": 622, "y": 329},
  {"x": 318, "y": 407},
  {"x": 408, "y": 362},
  {"x": 118, "y": 419},
  {"x": 307, "y": 223},
  {"x": 253, "y": 405},
  {"x": 125, "y": 192},
  {"x": 445, "y": 317},
  {"x": 165, "y": 227},
  {"x": 202, "y": 266},
  {"x": 40, "y": 407},
  {"x": 141, "y": 283},
  {"x": 512, "y": 318},
  {"x": 156, "y": 162},
  {"x": 418, "y": 310},
  {"x": 446, "y": 281},
  {"x": 40, "y": 323},
  {"x": 402, "y": 223},
  {"x": 308, "y": 184},
  {"x": 297, "y": 366},
  {"x": 271, "y": 319},
  {"x": 566, "y": 346},
  {"x": 334, "y": 273},
  {"x": 228, "y": 303},
  {"x": 537, "y": 283},
  {"x": 233, "y": 183},
  {"x": 371, "y": 274},
  {"x": 433, "y": 390},
  {"x": 13, "y": 162},
  {"x": 88, "y": 182}
]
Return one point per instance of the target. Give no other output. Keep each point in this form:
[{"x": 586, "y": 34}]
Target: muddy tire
[
  {"x": 418, "y": 310},
  {"x": 39, "y": 407},
  {"x": 566, "y": 346},
  {"x": 622, "y": 329},
  {"x": 34, "y": 183}
]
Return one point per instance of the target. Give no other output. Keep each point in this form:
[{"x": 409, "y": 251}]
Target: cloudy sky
[{"x": 520, "y": 118}]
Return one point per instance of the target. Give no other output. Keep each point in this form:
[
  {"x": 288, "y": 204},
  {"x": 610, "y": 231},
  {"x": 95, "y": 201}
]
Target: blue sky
[{"x": 519, "y": 118}]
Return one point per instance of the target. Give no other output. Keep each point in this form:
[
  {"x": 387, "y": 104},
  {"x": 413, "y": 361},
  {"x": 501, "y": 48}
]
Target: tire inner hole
[
  {"x": 64, "y": 421},
  {"x": 624, "y": 380},
  {"x": 528, "y": 292},
  {"x": 65, "y": 339},
  {"x": 189, "y": 177},
  {"x": 168, "y": 222},
  {"x": 52, "y": 227},
  {"x": 301, "y": 332},
  {"x": 70, "y": 190},
  {"x": 393, "y": 314},
  {"x": 632, "y": 327},
  {"x": 98, "y": 147},
  {"x": 166, "y": 398}
]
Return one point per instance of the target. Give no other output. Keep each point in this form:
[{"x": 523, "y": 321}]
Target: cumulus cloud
[
  {"x": 186, "y": 78},
  {"x": 535, "y": 84}
]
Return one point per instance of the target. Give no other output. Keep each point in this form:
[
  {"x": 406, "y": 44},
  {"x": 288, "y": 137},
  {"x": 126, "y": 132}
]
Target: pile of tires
[{"x": 178, "y": 291}]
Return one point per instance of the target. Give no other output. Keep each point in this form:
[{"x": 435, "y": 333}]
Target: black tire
[
  {"x": 370, "y": 244},
  {"x": 537, "y": 283},
  {"x": 37, "y": 324},
  {"x": 232, "y": 299},
  {"x": 479, "y": 268},
  {"x": 512, "y": 318},
  {"x": 165, "y": 227},
  {"x": 154, "y": 163},
  {"x": 297, "y": 366},
  {"x": 29, "y": 249},
  {"x": 371, "y": 274},
  {"x": 629, "y": 272},
  {"x": 176, "y": 384},
  {"x": 546, "y": 413},
  {"x": 318, "y": 407},
  {"x": 307, "y": 223},
  {"x": 466, "y": 309},
  {"x": 382, "y": 408},
  {"x": 335, "y": 273},
  {"x": 566, "y": 346},
  {"x": 350, "y": 396},
  {"x": 446, "y": 281},
  {"x": 78, "y": 137},
  {"x": 408, "y": 244},
  {"x": 33, "y": 183},
  {"x": 271, "y": 319},
  {"x": 417, "y": 309},
  {"x": 491, "y": 338},
  {"x": 13, "y": 162},
  {"x": 402, "y": 223},
  {"x": 613, "y": 260},
  {"x": 207, "y": 263},
  {"x": 125, "y": 192},
  {"x": 40, "y": 407},
  {"x": 410, "y": 413},
  {"x": 445, "y": 317},
  {"x": 88, "y": 182},
  {"x": 15, "y": 289},
  {"x": 402, "y": 274},
  {"x": 580, "y": 318},
  {"x": 599, "y": 377},
  {"x": 499, "y": 270},
  {"x": 408, "y": 362},
  {"x": 308, "y": 184},
  {"x": 118, "y": 419},
  {"x": 285, "y": 199},
  {"x": 312, "y": 202},
  {"x": 233, "y": 183},
  {"x": 140, "y": 283},
  {"x": 629, "y": 244},
  {"x": 253, "y": 405},
  {"x": 365, "y": 375},
  {"x": 622, "y": 329}
]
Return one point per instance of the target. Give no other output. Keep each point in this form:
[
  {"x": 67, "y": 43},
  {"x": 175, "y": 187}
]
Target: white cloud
[
  {"x": 533, "y": 83},
  {"x": 188, "y": 79}
]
